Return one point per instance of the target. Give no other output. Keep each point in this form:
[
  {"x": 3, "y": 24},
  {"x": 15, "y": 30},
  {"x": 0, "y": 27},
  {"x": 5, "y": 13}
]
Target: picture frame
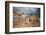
[{"x": 32, "y": 9}]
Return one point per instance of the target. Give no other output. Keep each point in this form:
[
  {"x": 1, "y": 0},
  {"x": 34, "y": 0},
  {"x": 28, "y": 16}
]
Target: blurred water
[{"x": 27, "y": 10}]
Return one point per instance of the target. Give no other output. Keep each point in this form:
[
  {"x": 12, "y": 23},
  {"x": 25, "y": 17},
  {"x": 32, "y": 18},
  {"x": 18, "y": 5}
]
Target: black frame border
[{"x": 7, "y": 17}]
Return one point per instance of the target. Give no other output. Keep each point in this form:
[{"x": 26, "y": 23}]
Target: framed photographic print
[{"x": 24, "y": 17}]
